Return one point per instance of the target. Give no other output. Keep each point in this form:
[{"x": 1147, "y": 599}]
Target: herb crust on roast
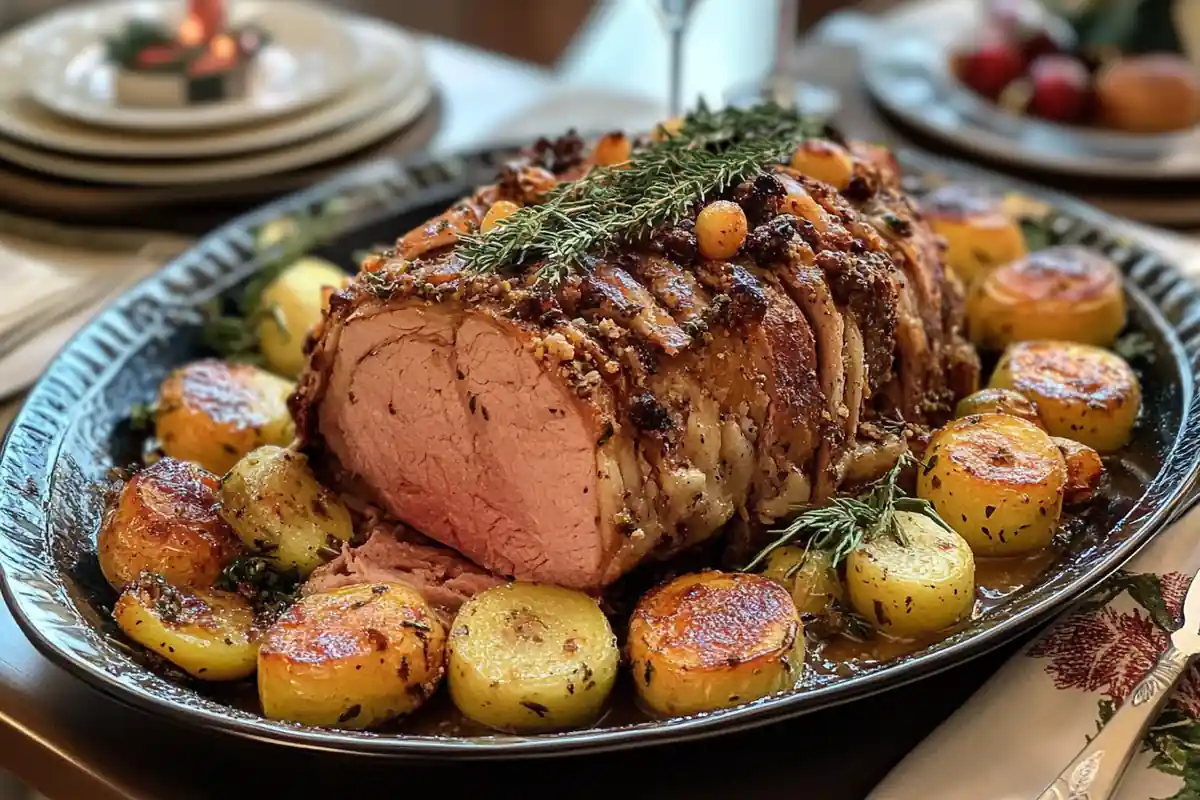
[{"x": 578, "y": 390}]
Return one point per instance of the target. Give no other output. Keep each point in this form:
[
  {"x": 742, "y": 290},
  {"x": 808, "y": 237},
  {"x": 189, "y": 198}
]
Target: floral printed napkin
[{"x": 1016, "y": 733}]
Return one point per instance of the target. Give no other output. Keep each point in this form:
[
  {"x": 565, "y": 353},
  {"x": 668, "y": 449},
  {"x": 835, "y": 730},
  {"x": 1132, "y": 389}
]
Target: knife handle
[{"x": 1096, "y": 771}]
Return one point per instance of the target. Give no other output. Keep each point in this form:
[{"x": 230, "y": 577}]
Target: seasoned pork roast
[{"x": 564, "y": 432}]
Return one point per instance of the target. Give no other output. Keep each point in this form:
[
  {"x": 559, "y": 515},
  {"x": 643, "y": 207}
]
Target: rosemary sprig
[
  {"x": 256, "y": 578},
  {"x": 846, "y": 523},
  {"x": 712, "y": 151}
]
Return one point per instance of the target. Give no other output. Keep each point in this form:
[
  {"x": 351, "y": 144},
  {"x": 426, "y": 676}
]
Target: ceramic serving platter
[{"x": 73, "y": 429}]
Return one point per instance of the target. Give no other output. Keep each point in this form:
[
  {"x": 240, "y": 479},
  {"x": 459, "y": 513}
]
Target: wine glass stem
[{"x": 675, "y": 100}]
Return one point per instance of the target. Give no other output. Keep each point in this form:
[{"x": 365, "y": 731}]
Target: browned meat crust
[{"x": 566, "y": 435}]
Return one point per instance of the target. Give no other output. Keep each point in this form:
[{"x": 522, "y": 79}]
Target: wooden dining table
[{"x": 68, "y": 740}]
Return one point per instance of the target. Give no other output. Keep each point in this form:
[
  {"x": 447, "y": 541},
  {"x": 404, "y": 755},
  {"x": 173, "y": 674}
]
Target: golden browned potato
[
  {"x": 922, "y": 584},
  {"x": 353, "y": 657},
  {"x": 1083, "y": 392},
  {"x": 808, "y": 575},
  {"x": 213, "y": 413},
  {"x": 164, "y": 521},
  {"x": 295, "y": 301},
  {"x": 1153, "y": 93},
  {"x": 712, "y": 640},
  {"x": 526, "y": 657},
  {"x": 720, "y": 229},
  {"x": 979, "y": 235},
  {"x": 208, "y": 634},
  {"x": 275, "y": 505},
  {"x": 999, "y": 401},
  {"x": 1085, "y": 470},
  {"x": 997, "y": 480},
  {"x": 825, "y": 161},
  {"x": 1065, "y": 293}
]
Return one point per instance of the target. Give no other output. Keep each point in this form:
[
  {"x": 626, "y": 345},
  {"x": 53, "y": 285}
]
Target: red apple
[
  {"x": 1062, "y": 88},
  {"x": 1032, "y": 27},
  {"x": 991, "y": 64}
]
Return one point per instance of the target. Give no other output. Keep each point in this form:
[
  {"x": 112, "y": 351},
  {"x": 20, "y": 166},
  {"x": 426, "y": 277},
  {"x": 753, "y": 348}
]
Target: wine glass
[{"x": 674, "y": 16}]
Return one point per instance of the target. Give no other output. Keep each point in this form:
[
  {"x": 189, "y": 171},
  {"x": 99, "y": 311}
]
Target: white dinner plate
[
  {"x": 392, "y": 62},
  {"x": 311, "y": 57},
  {"x": 905, "y": 71},
  {"x": 377, "y": 124}
]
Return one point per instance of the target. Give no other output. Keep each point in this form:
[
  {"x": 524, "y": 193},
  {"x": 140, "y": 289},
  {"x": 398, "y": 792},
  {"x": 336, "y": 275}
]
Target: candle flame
[
  {"x": 224, "y": 47},
  {"x": 191, "y": 31}
]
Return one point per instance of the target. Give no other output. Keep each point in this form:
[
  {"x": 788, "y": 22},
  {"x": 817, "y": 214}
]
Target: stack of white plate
[{"x": 328, "y": 84}]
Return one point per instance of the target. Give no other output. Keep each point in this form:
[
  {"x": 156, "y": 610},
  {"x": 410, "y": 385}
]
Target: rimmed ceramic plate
[
  {"x": 391, "y": 66},
  {"x": 72, "y": 430},
  {"x": 356, "y": 134},
  {"x": 906, "y": 70},
  {"x": 311, "y": 57}
]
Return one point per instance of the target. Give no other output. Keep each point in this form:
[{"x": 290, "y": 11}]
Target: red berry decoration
[
  {"x": 991, "y": 65},
  {"x": 1062, "y": 88}
]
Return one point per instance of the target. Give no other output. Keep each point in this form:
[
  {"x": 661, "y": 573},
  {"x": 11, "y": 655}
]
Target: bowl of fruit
[{"x": 1113, "y": 74}]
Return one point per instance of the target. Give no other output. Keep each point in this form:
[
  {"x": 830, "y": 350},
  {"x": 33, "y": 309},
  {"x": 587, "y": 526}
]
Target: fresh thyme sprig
[
  {"x": 711, "y": 151},
  {"x": 846, "y": 523}
]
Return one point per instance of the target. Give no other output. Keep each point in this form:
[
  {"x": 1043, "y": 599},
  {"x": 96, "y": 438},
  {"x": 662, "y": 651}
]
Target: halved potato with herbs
[
  {"x": 997, "y": 480},
  {"x": 207, "y": 633},
  {"x": 352, "y": 657},
  {"x": 1067, "y": 293},
  {"x": 164, "y": 521},
  {"x": 979, "y": 235},
  {"x": 292, "y": 305},
  {"x": 276, "y": 506},
  {"x": 1083, "y": 392},
  {"x": 714, "y": 639},
  {"x": 213, "y": 413},
  {"x": 920, "y": 583},
  {"x": 999, "y": 401},
  {"x": 808, "y": 574},
  {"x": 528, "y": 657}
]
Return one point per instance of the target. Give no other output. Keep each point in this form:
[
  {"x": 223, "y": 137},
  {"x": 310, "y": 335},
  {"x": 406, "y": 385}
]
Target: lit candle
[{"x": 209, "y": 14}]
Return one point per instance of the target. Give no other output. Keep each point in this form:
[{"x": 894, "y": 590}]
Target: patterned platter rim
[{"x": 66, "y": 630}]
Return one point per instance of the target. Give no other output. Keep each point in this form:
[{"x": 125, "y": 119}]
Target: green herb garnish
[
  {"x": 141, "y": 417},
  {"x": 258, "y": 579},
  {"x": 842, "y": 526},
  {"x": 662, "y": 182},
  {"x": 1038, "y": 232},
  {"x": 1134, "y": 345}
]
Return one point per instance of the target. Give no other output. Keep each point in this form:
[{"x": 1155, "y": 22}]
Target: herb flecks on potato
[
  {"x": 277, "y": 507},
  {"x": 528, "y": 657},
  {"x": 353, "y": 657},
  {"x": 1066, "y": 293},
  {"x": 213, "y": 413},
  {"x": 1084, "y": 393},
  {"x": 164, "y": 521},
  {"x": 713, "y": 639},
  {"x": 997, "y": 480},
  {"x": 209, "y": 634}
]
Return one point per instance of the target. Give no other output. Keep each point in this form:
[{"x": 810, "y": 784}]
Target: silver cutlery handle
[{"x": 1096, "y": 771}]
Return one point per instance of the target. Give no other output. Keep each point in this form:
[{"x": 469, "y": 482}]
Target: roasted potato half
[
  {"x": 919, "y": 584},
  {"x": 275, "y": 505},
  {"x": 979, "y": 235},
  {"x": 997, "y": 480},
  {"x": 1085, "y": 470},
  {"x": 1084, "y": 393},
  {"x": 353, "y": 657},
  {"x": 295, "y": 301},
  {"x": 213, "y": 412},
  {"x": 808, "y": 574},
  {"x": 999, "y": 401},
  {"x": 714, "y": 639},
  {"x": 164, "y": 521},
  {"x": 208, "y": 634},
  {"x": 1067, "y": 293},
  {"x": 527, "y": 657}
]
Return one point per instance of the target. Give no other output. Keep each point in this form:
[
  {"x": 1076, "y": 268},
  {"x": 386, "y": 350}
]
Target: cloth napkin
[{"x": 1025, "y": 724}]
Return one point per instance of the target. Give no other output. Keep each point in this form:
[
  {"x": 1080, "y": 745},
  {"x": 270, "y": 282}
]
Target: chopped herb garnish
[
  {"x": 1038, "y": 232},
  {"x": 659, "y": 185},
  {"x": 259, "y": 580},
  {"x": 842, "y": 526},
  {"x": 141, "y": 417},
  {"x": 1134, "y": 345}
]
